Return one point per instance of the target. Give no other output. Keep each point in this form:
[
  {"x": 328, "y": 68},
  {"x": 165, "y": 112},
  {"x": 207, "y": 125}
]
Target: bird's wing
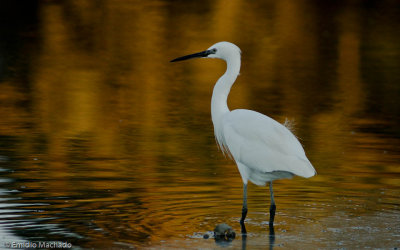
[{"x": 264, "y": 144}]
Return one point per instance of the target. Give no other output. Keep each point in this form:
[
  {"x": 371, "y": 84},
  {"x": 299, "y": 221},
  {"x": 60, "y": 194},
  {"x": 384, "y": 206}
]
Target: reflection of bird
[{"x": 263, "y": 149}]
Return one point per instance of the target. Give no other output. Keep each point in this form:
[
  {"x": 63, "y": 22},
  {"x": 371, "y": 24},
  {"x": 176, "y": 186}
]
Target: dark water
[{"x": 105, "y": 144}]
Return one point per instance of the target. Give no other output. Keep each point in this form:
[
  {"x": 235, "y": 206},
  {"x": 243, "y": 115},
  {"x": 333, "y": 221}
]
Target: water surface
[{"x": 105, "y": 144}]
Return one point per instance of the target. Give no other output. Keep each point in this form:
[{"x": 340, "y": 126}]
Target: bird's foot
[
  {"x": 271, "y": 229},
  {"x": 271, "y": 236},
  {"x": 243, "y": 227}
]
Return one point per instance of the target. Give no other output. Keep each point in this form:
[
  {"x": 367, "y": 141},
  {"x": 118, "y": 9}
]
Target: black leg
[
  {"x": 243, "y": 227},
  {"x": 272, "y": 208},
  {"x": 244, "y": 209},
  {"x": 244, "y": 213}
]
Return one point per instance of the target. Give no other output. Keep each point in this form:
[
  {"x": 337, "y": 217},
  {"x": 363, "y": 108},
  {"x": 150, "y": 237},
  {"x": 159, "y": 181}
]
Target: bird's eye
[{"x": 214, "y": 50}]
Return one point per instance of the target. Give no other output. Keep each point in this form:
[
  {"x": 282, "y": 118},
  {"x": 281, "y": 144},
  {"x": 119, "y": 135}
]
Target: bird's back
[{"x": 263, "y": 145}]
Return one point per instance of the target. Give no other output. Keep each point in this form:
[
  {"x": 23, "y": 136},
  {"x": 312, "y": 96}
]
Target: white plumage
[
  {"x": 263, "y": 149},
  {"x": 262, "y": 145}
]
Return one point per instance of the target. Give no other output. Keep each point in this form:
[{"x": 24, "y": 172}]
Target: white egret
[{"x": 263, "y": 149}]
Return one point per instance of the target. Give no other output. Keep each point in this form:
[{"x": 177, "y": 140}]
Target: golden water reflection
[{"x": 104, "y": 143}]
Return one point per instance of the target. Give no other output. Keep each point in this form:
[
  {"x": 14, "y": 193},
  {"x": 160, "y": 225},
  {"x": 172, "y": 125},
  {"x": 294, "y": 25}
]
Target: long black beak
[{"x": 195, "y": 55}]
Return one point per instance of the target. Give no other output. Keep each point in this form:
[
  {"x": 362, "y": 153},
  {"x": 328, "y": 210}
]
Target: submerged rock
[{"x": 224, "y": 232}]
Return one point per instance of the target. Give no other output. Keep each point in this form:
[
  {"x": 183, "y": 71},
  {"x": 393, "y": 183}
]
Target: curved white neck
[{"x": 221, "y": 90}]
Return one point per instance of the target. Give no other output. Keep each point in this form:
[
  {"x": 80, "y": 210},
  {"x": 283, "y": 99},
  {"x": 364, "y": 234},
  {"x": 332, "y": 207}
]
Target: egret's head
[{"x": 222, "y": 50}]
